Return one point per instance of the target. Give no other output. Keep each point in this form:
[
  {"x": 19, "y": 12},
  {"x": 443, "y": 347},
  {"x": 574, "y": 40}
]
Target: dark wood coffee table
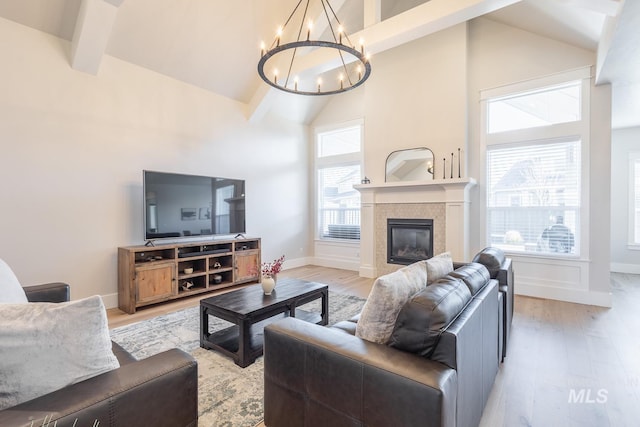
[{"x": 250, "y": 310}]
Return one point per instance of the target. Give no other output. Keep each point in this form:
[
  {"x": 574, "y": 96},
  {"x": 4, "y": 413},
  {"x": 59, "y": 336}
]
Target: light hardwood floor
[{"x": 567, "y": 364}]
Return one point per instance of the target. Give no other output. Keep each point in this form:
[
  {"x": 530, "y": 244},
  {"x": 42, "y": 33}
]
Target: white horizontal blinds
[
  {"x": 541, "y": 107},
  {"x": 533, "y": 197},
  {"x": 636, "y": 201},
  {"x": 339, "y": 204}
]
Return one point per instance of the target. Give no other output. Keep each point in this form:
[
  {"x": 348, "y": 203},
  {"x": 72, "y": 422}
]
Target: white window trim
[
  {"x": 579, "y": 129},
  {"x": 631, "y": 243},
  {"x": 337, "y": 160}
]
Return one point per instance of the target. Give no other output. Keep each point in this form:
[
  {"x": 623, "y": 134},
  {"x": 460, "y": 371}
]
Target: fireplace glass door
[{"x": 409, "y": 240}]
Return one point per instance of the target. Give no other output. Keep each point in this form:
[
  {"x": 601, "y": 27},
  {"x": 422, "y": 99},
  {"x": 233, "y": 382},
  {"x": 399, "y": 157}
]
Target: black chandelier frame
[{"x": 278, "y": 48}]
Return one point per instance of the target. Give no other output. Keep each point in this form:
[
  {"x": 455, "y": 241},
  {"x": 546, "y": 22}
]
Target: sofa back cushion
[
  {"x": 474, "y": 275},
  {"x": 492, "y": 258},
  {"x": 388, "y": 294},
  {"x": 428, "y": 313},
  {"x": 48, "y": 346},
  {"x": 10, "y": 289}
]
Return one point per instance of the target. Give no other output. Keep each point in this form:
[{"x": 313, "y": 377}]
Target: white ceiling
[{"x": 215, "y": 44}]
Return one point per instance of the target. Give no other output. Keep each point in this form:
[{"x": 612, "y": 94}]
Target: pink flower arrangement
[{"x": 272, "y": 268}]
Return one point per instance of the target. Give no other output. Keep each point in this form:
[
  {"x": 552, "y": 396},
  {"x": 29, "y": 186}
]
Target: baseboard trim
[
  {"x": 297, "y": 262},
  {"x": 110, "y": 300},
  {"x": 619, "y": 267},
  {"x": 601, "y": 299},
  {"x": 342, "y": 263}
]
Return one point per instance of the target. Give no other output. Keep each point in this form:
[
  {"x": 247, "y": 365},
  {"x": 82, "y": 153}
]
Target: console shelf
[{"x": 151, "y": 275}]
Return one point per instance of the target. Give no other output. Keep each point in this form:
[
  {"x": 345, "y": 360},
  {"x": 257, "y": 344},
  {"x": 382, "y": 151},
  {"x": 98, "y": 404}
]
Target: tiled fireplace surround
[{"x": 444, "y": 201}]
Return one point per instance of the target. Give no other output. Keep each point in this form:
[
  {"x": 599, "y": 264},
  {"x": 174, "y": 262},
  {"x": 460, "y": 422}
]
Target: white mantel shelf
[
  {"x": 453, "y": 193},
  {"x": 442, "y": 183},
  {"x": 436, "y": 191}
]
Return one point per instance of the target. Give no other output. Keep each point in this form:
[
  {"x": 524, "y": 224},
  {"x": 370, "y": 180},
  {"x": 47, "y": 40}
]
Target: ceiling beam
[
  {"x": 92, "y": 32},
  {"x": 422, "y": 20},
  {"x": 606, "y": 7},
  {"x": 372, "y": 12}
]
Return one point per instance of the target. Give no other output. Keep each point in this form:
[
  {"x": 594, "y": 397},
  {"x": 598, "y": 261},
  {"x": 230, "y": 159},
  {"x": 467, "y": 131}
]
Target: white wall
[
  {"x": 623, "y": 142},
  {"x": 74, "y": 146},
  {"x": 415, "y": 97}
]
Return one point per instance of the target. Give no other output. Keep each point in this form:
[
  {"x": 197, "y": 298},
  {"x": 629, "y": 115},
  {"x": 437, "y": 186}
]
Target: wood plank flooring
[{"x": 567, "y": 364}]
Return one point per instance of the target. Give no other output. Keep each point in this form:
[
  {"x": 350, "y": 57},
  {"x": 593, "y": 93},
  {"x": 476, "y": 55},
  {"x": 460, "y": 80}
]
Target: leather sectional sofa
[
  {"x": 437, "y": 370},
  {"x": 161, "y": 390}
]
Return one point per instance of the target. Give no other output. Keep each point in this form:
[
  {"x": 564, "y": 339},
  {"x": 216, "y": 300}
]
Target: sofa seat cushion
[
  {"x": 10, "y": 289},
  {"x": 438, "y": 267},
  {"x": 492, "y": 258},
  {"x": 388, "y": 294},
  {"x": 46, "y": 346},
  {"x": 474, "y": 275},
  {"x": 423, "y": 318}
]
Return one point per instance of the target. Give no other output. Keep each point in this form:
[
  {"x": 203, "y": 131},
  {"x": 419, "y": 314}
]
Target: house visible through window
[{"x": 338, "y": 161}]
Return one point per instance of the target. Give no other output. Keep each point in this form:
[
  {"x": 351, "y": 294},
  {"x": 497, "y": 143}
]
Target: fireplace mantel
[
  {"x": 438, "y": 190},
  {"x": 453, "y": 193}
]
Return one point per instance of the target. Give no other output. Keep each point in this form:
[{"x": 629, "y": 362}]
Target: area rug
[{"x": 228, "y": 396}]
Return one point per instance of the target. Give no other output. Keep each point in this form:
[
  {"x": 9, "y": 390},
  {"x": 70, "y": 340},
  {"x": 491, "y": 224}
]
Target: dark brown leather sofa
[
  {"x": 437, "y": 370},
  {"x": 161, "y": 390}
]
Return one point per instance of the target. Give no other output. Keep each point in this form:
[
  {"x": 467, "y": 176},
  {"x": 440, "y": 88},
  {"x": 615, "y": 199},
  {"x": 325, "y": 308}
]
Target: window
[
  {"x": 634, "y": 200},
  {"x": 535, "y": 138},
  {"x": 533, "y": 196},
  {"x": 541, "y": 107},
  {"x": 338, "y": 165}
]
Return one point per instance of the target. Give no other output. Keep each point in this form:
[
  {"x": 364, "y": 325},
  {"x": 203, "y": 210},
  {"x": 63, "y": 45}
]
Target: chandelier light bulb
[
  {"x": 275, "y": 76},
  {"x": 340, "y": 31},
  {"x": 362, "y": 46},
  {"x": 319, "y": 83},
  {"x": 295, "y": 82},
  {"x": 309, "y": 28},
  {"x": 262, "y": 48},
  {"x": 278, "y": 35}
]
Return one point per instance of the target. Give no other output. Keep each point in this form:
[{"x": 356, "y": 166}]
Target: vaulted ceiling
[{"x": 215, "y": 44}]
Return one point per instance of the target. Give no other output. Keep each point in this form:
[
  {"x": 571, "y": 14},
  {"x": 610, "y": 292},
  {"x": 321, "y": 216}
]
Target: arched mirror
[{"x": 413, "y": 164}]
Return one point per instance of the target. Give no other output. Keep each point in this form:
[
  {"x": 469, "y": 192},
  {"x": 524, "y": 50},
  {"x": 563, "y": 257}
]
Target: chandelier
[{"x": 285, "y": 65}]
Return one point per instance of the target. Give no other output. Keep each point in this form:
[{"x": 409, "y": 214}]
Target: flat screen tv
[{"x": 178, "y": 205}]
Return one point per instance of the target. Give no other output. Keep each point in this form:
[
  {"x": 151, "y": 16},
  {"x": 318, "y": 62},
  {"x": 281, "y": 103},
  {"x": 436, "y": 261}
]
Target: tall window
[
  {"x": 634, "y": 200},
  {"x": 338, "y": 161},
  {"x": 534, "y": 139}
]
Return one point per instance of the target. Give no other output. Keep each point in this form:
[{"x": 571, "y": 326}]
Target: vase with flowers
[{"x": 269, "y": 273}]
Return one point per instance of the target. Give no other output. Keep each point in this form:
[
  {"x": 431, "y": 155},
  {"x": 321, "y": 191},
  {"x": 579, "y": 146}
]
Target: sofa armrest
[
  {"x": 159, "y": 391},
  {"x": 48, "y": 292},
  {"x": 317, "y": 376}
]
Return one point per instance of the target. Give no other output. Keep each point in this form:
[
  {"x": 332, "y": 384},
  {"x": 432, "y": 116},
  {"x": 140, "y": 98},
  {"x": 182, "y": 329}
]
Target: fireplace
[{"x": 409, "y": 240}]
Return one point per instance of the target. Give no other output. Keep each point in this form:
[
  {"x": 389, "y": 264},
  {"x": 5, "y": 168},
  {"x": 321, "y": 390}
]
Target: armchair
[{"x": 161, "y": 390}]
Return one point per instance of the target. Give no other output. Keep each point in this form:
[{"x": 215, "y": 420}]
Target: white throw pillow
[
  {"x": 10, "y": 289},
  {"x": 438, "y": 267},
  {"x": 388, "y": 294},
  {"x": 45, "y": 347}
]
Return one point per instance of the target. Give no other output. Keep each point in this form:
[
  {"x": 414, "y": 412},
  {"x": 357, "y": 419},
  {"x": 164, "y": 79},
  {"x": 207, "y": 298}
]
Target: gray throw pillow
[
  {"x": 45, "y": 347},
  {"x": 438, "y": 267},
  {"x": 10, "y": 289},
  {"x": 388, "y": 294}
]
